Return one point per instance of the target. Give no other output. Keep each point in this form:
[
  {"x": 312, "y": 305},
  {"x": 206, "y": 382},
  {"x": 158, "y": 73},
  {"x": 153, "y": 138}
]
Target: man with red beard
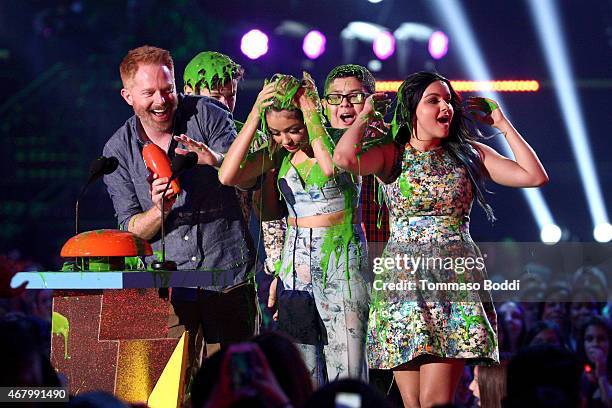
[{"x": 204, "y": 227}]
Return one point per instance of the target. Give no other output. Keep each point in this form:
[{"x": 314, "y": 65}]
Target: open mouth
[
  {"x": 347, "y": 118},
  {"x": 444, "y": 119},
  {"x": 160, "y": 112}
]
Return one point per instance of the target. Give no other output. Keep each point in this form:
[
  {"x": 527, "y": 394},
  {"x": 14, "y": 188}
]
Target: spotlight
[
  {"x": 603, "y": 232},
  {"x": 455, "y": 19},
  {"x": 438, "y": 45},
  {"x": 355, "y": 32},
  {"x": 314, "y": 44},
  {"x": 550, "y": 234},
  {"x": 254, "y": 44},
  {"x": 374, "y": 1},
  {"x": 384, "y": 45},
  {"x": 549, "y": 25}
]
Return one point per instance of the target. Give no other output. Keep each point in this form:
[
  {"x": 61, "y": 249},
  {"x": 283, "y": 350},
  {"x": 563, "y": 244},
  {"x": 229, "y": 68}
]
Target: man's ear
[{"x": 127, "y": 96}]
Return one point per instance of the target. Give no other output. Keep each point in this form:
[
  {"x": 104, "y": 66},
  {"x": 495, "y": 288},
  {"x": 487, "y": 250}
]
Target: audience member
[
  {"x": 489, "y": 385},
  {"x": 543, "y": 376},
  {"x": 594, "y": 350},
  {"x": 512, "y": 322}
]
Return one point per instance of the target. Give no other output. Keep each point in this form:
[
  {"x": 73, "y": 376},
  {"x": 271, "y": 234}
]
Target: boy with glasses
[{"x": 346, "y": 89}]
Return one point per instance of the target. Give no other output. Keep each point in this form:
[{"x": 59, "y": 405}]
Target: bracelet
[{"x": 220, "y": 157}]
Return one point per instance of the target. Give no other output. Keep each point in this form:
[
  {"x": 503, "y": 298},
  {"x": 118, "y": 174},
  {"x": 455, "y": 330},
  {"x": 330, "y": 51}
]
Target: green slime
[
  {"x": 61, "y": 327},
  {"x": 210, "y": 70}
]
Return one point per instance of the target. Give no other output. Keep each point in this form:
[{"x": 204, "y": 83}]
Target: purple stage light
[
  {"x": 384, "y": 45},
  {"x": 438, "y": 45},
  {"x": 314, "y": 44},
  {"x": 254, "y": 44}
]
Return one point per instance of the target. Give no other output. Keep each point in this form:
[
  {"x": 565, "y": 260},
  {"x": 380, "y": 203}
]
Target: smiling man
[{"x": 204, "y": 227}]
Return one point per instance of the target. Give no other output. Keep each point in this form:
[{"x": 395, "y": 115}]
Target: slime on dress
[
  {"x": 330, "y": 263},
  {"x": 429, "y": 206}
]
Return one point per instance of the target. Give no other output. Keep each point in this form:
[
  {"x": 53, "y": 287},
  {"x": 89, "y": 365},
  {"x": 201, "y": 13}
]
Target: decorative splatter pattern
[{"x": 429, "y": 206}]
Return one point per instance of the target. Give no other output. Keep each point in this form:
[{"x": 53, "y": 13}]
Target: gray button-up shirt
[{"x": 204, "y": 229}]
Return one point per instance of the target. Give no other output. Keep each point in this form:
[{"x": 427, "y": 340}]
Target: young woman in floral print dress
[{"x": 433, "y": 169}]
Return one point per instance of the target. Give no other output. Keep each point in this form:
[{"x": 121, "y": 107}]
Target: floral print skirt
[
  {"x": 341, "y": 294},
  {"x": 430, "y": 301}
]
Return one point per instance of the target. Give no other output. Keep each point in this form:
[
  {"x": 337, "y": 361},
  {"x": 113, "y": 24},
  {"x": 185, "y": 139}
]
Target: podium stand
[{"x": 110, "y": 332}]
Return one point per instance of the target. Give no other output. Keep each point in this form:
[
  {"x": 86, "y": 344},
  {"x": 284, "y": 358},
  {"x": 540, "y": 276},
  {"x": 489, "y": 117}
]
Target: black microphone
[
  {"x": 99, "y": 167},
  {"x": 183, "y": 162},
  {"x": 180, "y": 163}
]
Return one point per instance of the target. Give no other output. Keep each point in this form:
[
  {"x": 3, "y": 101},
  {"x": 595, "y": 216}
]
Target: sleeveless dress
[
  {"x": 331, "y": 264},
  {"x": 431, "y": 303}
]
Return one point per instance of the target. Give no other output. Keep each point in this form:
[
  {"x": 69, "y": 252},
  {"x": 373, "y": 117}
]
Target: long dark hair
[
  {"x": 597, "y": 321},
  {"x": 492, "y": 384},
  {"x": 462, "y": 131}
]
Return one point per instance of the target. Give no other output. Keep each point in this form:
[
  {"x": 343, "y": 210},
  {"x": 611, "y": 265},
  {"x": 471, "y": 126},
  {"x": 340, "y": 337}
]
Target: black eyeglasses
[{"x": 356, "y": 98}]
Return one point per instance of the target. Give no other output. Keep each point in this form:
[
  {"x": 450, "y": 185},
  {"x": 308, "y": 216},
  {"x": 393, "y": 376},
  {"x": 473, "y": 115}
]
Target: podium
[{"x": 110, "y": 332}]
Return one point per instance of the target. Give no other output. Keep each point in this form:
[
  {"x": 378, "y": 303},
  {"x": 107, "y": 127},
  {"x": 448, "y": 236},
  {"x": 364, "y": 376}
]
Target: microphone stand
[
  {"x": 76, "y": 207},
  {"x": 163, "y": 264}
]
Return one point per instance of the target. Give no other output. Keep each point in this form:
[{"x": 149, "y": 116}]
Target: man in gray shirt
[{"x": 204, "y": 227}]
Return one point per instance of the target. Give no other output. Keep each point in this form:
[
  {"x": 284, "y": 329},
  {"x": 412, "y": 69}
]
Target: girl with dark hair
[
  {"x": 489, "y": 385},
  {"x": 433, "y": 167},
  {"x": 324, "y": 254},
  {"x": 512, "y": 322},
  {"x": 594, "y": 351}
]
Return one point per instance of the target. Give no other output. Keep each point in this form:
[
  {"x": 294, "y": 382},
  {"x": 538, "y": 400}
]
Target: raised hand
[
  {"x": 264, "y": 98},
  {"x": 485, "y": 110},
  {"x": 8, "y": 269},
  {"x": 599, "y": 358},
  {"x": 205, "y": 154},
  {"x": 307, "y": 98},
  {"x": 374, "y": 110}
]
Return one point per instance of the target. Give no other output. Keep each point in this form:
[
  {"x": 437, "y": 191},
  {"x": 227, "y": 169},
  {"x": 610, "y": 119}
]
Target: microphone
[
  {"x": 99, "y": 167},
  {"x": 183, "y": 162},
  {"x": 180, "y": 164}
]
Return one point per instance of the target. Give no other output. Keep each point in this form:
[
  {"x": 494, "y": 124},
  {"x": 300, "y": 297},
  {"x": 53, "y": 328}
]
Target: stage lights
[
  {"x": 437, "y": 45},
  {"x": 384, "y": 45},
  {"x": 603, "y": 232},
  {"x": 314, "y": 44},
  {"x": 497, "y": 86},
  {"x": 472, "y": 58},
  {"x": 547, "y": 21},
  {"x": 531, "y": 85},
  {"x": 550, "y": 234},
  {"x": 254, "y": 44}
]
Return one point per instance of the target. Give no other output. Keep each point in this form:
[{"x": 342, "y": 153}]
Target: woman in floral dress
[{"x": 428, "y": 314}]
